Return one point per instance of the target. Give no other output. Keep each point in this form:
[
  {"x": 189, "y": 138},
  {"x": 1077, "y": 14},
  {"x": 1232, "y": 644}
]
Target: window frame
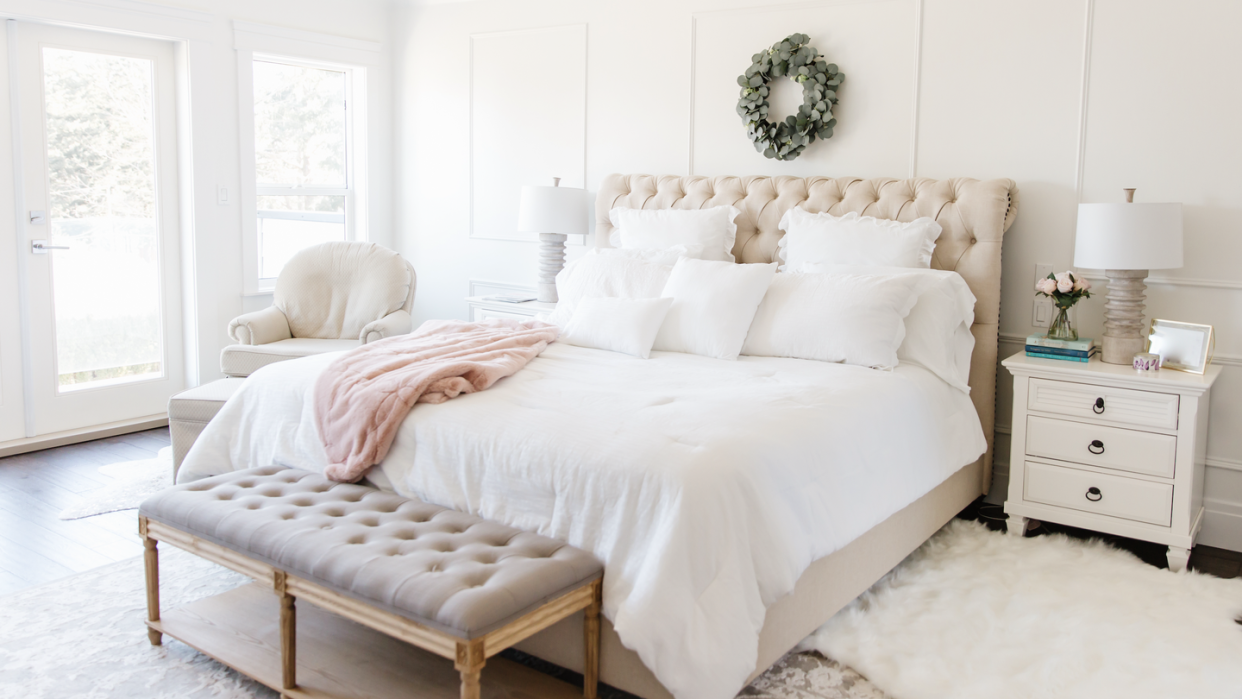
[{"x": 355, "y": 190}]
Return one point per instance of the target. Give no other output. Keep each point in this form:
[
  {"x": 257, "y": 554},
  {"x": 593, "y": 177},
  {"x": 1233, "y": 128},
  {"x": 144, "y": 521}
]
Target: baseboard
[
  {"x": 1222, "y": 525},
  {"x": 83, "y": 434}
]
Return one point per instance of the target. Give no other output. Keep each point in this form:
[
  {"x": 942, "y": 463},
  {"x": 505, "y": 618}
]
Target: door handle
[{"x": 40, "y": 247}]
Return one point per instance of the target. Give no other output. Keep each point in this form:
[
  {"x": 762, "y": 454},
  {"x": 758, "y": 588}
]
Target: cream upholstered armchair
[{"x": 330, "y": 297}]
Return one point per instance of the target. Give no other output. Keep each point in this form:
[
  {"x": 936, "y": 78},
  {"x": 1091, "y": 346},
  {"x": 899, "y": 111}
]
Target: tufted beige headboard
[{"x": 974, "y": 215}]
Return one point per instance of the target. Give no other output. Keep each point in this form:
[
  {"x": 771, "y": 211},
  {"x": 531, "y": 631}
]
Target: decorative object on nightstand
[
  {"x": 1127, "y": 240},
  {"x": 1080, "y": 350},
  {"x": 1181, "y": 346},
  {"x": 1110, "y": 449},
  {"x": 1065, "y": 290},
  {"x": 554, "y": 213}
]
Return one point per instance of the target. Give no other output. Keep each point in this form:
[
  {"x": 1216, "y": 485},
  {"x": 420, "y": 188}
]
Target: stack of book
[{"x": 1067, "y": 350}]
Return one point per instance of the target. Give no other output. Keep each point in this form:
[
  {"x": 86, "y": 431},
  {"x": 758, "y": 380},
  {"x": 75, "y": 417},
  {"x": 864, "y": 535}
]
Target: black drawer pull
[
  {"x": 1098, "y": 408},
  {"x": 1094, "y": 445},
  {"x": 1094, "y": 494}
]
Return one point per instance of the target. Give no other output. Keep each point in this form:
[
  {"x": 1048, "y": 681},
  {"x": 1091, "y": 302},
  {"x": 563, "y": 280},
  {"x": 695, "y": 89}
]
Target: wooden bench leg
[
  {"x": 470, "y": 660},
  {"x": 590, "y": 630},
  {"x": 151, "y": 560},
  {"x": 288, "y": 632}
]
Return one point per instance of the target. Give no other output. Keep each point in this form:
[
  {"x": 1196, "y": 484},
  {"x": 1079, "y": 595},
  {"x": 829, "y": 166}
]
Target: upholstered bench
[
  {"x": 191, "y": 410},
  {"x": 448, "y": 582}
]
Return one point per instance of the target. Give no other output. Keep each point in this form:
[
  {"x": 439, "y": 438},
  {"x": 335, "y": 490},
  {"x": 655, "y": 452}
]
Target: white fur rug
[
  {"x": 135, "y": 481},
  {"x": 978, "y": 614}
]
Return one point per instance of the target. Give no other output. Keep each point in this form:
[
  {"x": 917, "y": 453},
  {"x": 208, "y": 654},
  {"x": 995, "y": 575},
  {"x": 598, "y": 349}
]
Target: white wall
[
  {"x": 204, "y": 32},
  {"x": 934, "y": 88}
]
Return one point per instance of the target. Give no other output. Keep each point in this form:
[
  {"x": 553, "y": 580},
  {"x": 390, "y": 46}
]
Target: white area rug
[
  {"x": 977, "y": 614},
  {"x": 971, "y": 614},
  {"x": 84, "y": 636},
  {"x": 135, "y": 481}
]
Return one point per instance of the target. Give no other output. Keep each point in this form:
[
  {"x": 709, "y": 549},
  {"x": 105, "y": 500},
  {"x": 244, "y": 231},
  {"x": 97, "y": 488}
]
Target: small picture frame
[{"x": 1181, "y": 346}]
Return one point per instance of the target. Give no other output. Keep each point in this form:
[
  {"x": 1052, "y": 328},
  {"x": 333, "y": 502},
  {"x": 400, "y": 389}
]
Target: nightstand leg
[
  {"x": 1016, "y": 526},
  {"x": 1178, "y": 558}
]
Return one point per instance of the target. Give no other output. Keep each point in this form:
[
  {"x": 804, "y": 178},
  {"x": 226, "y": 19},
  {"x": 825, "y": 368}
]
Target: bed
[{"x": 701, "y": 484}]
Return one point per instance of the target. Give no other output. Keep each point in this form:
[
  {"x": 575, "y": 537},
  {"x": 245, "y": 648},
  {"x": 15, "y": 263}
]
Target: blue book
[
  {"x": 1061, "y": 357},
  {"x": 1058, "y": 350}
]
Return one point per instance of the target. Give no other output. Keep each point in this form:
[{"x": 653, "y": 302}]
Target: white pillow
[
  {"x": 666, "y": 256},
  {"x": 853, "y": 240},
  {"x": 847, "y": 318},
  {"x": 599, "y": 274},
  {"x": 617, "y": 324},
  {"x": 938, "y": 336},
  {"x": 713, "y": 229},
  {"x": 713, "y": 304}
]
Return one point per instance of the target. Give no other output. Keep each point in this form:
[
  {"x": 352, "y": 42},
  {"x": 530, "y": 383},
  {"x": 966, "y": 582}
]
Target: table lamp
[
  {"x": 552, "y": 212},
  {"x": 1127, "y": 240}
]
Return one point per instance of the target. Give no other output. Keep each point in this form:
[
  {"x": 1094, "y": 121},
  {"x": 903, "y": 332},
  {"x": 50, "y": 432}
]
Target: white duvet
[{"x": 705, "y": 486}]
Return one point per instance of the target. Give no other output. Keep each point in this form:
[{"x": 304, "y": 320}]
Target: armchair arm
[
  {"x": 260, "y": 327},
  {"x": 396, "y": 323}
]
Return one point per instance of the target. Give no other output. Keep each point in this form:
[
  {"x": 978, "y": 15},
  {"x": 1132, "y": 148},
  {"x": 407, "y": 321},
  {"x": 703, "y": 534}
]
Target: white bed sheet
[{"x": 705, "y": 486}]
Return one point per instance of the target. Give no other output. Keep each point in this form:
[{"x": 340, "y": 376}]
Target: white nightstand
[
  {"x": 481, "y": 309},
  {"x": 1107, "y": 448}
]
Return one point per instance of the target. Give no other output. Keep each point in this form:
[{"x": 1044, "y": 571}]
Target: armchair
[{"x": 330, "y": 297}]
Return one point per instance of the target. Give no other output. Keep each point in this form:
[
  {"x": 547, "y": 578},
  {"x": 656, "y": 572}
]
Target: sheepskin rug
[{"x": 979, "y": 614}]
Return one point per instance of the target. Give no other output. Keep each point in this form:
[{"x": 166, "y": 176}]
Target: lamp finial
[
  {"x": 1129, "y": 194},
  {"x": 556, "y": 182}
]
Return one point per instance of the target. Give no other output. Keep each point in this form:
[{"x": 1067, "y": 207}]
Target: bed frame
[{"x": 974, "y": 215}]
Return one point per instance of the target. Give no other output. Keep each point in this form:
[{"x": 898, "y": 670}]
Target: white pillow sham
[
  {"x": 711, "y": 229},
  {"x": 938, "y": 336},
  {"x": 667, "y": 256},
  {"x": 713, "y": 305},
  {"x": 854, "y": 240},
  {"x": 844, "y": 318},
  {"x": 601, "y": 274},
  {"x": 621, "y": 325}
]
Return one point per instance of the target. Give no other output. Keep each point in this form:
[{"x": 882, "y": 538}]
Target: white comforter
[{"x": 705, "y": 486}]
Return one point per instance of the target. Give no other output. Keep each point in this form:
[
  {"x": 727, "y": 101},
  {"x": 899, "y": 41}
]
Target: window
[{"x": 305, "y": 159}]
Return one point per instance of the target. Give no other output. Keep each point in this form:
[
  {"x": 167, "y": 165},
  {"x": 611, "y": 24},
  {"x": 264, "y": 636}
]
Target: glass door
[{"x": 98, "y": 148}]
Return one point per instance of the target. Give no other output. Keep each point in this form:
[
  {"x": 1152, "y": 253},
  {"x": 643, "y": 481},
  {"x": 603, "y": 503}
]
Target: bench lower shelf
[{"x": 337, "y": 658}]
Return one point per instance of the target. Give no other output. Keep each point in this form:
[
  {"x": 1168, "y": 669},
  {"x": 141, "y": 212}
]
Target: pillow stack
[{"x": 853, "y": 290}]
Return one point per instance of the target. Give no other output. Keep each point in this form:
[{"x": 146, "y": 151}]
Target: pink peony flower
[
  {"x": 1046, "y": 286},
  {"x": 1081, "y": 284},
  {"x": 1064, "y": 283}
]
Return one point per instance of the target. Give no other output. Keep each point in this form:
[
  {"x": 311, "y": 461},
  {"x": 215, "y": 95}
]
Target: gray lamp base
[
  {"x": 1123, "y": 316},
  {"x": 551, "y": 262}
]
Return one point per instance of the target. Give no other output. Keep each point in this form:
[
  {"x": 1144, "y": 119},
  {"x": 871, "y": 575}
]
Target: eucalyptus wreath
[{"x": 794, "y": 59}]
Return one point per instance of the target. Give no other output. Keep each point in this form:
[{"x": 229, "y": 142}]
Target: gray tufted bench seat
[{"x": 448, "y": 582}]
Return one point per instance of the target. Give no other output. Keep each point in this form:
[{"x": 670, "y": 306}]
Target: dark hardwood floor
[{"x": 35, "y": 545}]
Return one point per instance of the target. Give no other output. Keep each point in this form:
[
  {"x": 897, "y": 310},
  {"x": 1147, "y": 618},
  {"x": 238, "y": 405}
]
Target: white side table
[
  {"x": 1107, "y": 448},
  {"x": 481, "y": 309}
]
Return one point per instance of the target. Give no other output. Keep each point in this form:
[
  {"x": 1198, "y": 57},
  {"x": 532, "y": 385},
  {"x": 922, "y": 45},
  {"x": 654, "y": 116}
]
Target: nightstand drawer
[
  {"x": 1103, "y": 403},
  {"x": 488, "y": 313},
  {"x": 1097, "y": 445},
  {"x": 1115, "y": 496}
]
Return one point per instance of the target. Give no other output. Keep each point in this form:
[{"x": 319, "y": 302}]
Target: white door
[{"x": 98, "y": 209}]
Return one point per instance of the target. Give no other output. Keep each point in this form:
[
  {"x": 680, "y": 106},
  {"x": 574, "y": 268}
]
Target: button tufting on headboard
[{"x": 971, "y": 212}]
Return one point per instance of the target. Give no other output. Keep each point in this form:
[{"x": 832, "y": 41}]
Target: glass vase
[{"x": 1062, "y": 328}]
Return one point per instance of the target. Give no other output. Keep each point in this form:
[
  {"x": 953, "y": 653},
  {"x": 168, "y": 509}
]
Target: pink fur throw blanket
[{"x": 362, "y": 398}]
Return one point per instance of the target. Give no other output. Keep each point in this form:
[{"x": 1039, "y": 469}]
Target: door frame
[{"x": 193, "y": 30}]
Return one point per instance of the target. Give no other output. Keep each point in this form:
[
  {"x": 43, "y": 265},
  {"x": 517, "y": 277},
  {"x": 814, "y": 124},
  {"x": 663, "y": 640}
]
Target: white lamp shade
[
  {"x": 553, "y": 210},
  {"x": 1129, "y": 236}
]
